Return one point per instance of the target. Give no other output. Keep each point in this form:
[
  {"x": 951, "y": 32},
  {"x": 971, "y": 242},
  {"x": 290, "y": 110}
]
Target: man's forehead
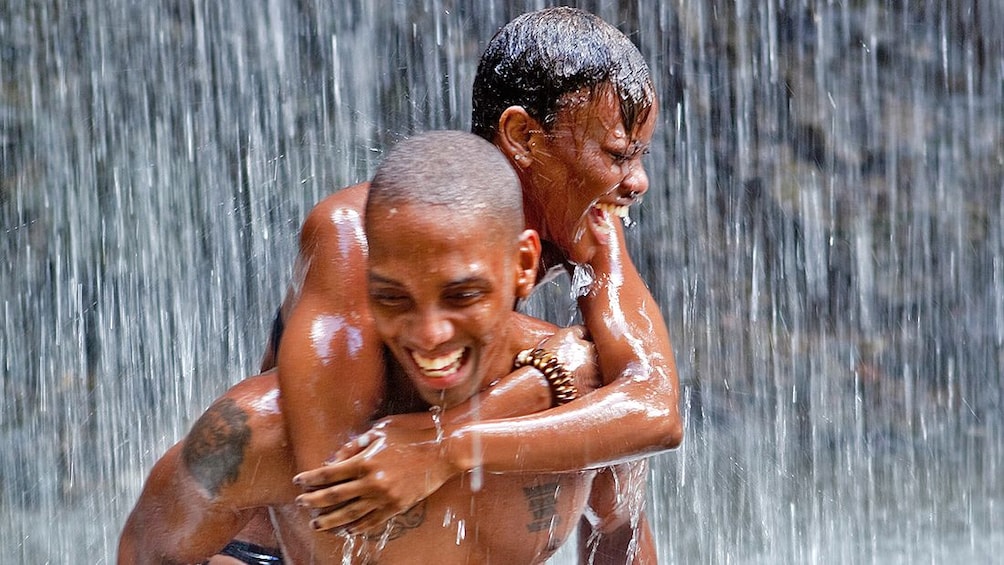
[{"x": 432, "y": 229}]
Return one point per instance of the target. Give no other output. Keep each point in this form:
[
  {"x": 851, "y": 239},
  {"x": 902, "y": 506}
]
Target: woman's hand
[
  {"x": 577, "y": 355},
  {"x": 376, "y": 476}
]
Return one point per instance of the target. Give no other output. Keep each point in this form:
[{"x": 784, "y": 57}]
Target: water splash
[
  {"x": 582, "y": 280},
  {"x": 477, "y": 474}
]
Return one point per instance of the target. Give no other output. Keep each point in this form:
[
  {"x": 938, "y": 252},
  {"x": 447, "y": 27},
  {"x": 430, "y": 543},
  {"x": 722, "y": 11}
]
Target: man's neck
[{"x": 400, "y": 396}]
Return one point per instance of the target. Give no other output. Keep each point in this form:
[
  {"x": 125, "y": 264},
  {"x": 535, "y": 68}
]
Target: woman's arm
[
  {"x": 400, "y": 461},
  {"x": 330, "y": 359},
  {"x": 635, "y": 414}
]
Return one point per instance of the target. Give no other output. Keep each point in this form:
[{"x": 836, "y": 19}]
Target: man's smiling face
[{"x": 442, "y": 285}]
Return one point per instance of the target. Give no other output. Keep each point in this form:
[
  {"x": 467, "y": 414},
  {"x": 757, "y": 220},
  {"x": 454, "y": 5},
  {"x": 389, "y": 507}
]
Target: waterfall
[{"x": 823, "y": 232}]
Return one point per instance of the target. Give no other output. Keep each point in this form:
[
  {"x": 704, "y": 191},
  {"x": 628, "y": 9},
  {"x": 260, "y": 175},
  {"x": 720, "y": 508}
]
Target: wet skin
[
  {"x": 587, "y": 166},
  {"x": 332, "y": 365},
  {"x": 236, "y": 460},
  {"x": 446, "y": 292},
  {"x": 635, "y": 414},
  {"x": 441, "y": 304}
]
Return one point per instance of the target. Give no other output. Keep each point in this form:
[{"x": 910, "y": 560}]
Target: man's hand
[{"x": 376, "y": 476}]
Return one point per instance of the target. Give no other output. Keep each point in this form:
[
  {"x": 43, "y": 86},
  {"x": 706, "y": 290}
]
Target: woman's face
[{"x": 585, "y": 170}]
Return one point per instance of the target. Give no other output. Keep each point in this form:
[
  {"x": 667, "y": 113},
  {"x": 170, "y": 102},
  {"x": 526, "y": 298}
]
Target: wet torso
[{"x": 513, "y": 518}]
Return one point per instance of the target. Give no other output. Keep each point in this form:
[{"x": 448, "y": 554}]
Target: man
[{"x": 448, "y": 258}]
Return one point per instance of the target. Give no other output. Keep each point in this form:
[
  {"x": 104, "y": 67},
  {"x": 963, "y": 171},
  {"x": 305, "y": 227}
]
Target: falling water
[{"x": 823, "y": 231}]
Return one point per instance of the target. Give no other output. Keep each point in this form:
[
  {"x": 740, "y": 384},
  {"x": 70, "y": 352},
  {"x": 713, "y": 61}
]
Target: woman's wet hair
[
  {"x": 452, "y": 169},
  {"x": 537, "y": 58}
]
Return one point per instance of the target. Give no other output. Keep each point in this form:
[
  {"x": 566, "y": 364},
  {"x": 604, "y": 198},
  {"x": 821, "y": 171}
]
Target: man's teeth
[
  {"x": 614, "y": 209},
  {"x": 437, "y": 367}
]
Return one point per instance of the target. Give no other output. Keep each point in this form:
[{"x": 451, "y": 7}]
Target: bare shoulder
[
  {"x": 530, "y": 331},
  {"x": 325, "y": 215},
  {"x": 201, "y": 492}
]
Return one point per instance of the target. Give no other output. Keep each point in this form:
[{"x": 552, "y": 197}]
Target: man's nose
[{"x": 430, "y": 329}]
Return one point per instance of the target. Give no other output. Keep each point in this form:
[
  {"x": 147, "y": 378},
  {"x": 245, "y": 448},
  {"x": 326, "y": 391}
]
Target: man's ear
[
  {"x": 516, "y": 127},
  {"x": 527, "y": 262}
]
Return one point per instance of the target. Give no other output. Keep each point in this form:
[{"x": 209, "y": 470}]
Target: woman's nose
[{"x": 636, "y": 181}]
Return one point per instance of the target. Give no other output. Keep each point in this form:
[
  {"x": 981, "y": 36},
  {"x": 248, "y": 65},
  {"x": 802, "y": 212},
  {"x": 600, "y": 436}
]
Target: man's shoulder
[
  {"x": 244, "y": 421},
  {"x": 530, "y": 330}
]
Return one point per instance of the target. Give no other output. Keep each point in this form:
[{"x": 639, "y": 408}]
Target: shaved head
[{"x": 451, "y": 170}]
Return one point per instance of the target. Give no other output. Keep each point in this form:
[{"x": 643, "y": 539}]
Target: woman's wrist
[
  {"x": 458, "y": 452},
  {"x": 560, "y": 380}
]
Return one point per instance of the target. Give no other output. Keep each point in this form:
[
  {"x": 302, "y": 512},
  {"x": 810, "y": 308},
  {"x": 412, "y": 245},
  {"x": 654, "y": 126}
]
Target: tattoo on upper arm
[
  {"x": 214, "y": 449},
  {"x": 543, "y": 503}
]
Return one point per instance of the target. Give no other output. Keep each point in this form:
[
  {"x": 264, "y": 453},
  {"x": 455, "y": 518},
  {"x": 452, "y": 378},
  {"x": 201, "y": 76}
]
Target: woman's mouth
[
  {"x": 617, "y": 210},
  {"x": 603, "y": 214}
]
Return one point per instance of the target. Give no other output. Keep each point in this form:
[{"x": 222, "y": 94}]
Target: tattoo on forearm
[
  {"x": 214, "y": 449},
  {"x": 543, "y": 502}
]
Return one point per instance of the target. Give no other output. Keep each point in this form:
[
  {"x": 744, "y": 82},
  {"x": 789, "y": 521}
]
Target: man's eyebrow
[
  {"x": 373, "y": 277},
  {"x": 469, "y": 281}
]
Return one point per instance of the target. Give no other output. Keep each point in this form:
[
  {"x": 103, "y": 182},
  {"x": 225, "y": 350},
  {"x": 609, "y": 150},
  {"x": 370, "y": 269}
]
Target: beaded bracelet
[{"x": 561, "y": 380}]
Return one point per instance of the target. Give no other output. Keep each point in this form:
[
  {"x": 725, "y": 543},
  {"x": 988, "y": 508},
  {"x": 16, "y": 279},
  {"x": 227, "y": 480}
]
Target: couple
[{"x": 568, "y": 100}]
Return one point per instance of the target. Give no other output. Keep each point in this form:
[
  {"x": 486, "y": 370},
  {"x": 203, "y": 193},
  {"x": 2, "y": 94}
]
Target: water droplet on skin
[{"x": 437, "y": 421}]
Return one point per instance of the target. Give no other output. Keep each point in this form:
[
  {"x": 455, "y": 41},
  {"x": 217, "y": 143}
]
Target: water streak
[{"x": 823, "y": 230}]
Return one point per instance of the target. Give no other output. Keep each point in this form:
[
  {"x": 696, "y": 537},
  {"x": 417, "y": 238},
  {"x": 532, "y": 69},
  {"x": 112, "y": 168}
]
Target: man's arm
[
  {"x": 174, "y": 521},
  {"x": 204, "y": 489}
]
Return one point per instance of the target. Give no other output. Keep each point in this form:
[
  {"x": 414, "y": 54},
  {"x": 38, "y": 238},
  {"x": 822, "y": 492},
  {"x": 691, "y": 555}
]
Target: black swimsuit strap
[{"x": 252, "y": 554}]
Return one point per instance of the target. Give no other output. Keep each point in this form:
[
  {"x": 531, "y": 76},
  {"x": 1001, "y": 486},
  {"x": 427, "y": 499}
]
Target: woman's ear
[
  {"x": 527, "y": 263},
  {"x": 516, "y": 127}
]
